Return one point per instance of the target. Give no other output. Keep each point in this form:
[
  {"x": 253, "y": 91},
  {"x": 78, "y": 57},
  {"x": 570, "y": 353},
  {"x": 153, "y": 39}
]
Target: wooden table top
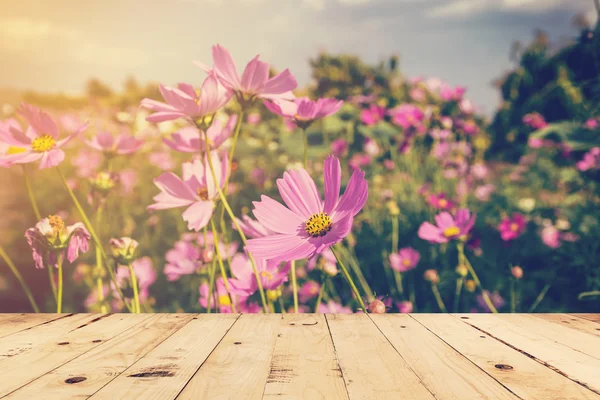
[{"x": 304, "y": 356}]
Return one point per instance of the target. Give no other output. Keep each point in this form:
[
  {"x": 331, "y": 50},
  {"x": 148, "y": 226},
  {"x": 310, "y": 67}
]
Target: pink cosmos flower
[
  {"x": 592, "y": 123},
  {"x": 308, "y": 290},
  {"x": 51, "y": 238},
  {"x": 484, "y": 192},
  {"x": 371, "y": 147},
  {"x": 372, "y": 115},
  {"x": 590, "y": 161},
  {"x": 448, "y": 93},
  {"x": 121, "y": 145},
  {"x": 534, "y": 120},
  {"x": 304, "y": 111},
  {"x": 182, "y": 259},
  {"x": 495, "y": 298},
  {"x": 431, "y": 275},
  {"x": 405, "y": 307},
  {"x": 326, "y": 261},
  {"x": 417, "y": 94},
  {"x": 253, "y": 229},
  {"x": 185, "y": 102},
  {"x": 551, "y": 237},
  {"x": 389, "y": 164},
  {"x": 512, "y": 227},
  {"x": 271, "y": 275},
  {"x": 162, "y": 159},
  {"x": 253, "y": 118},
  {"x": 407, "y": 116},
  {"x": 224, "y": 301},
  {"x": 405, "y": 259},
  {"x": 39, "y": 142},
  {"x": 197, "y": 190},
  {"x": 479, "y": 171},
  {"x": 440, "y": 201},
  {"x": 339, "y": 147},
  {"x": 466, "y": 107},
  {"x": 359, "y": 160},
  {"x": 440, "y": 134},
  {"x": 309, "y": 225},
  {"x": 191, "y": 140},
  {"x": 333, "y": 308},
  {"x": 448, "y": 227},
  {"x": 254, "y": 82},
  {"x": 86, "y": 162}
]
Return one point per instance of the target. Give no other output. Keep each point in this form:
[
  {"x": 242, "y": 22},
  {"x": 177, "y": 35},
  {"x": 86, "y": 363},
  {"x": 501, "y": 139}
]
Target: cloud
[{"x": 461, "y": 8}]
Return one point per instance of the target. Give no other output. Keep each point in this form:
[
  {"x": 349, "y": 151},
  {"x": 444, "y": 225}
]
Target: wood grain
[
  {"x": 571, "y": 363},
  {"x": 243, "y": 357},
  {"x": 571, "y": 321},
  {"x": 164, "y": 371},
  {"x": 445, "y": 372},
  {"x": 371, "y": 367},
  {"x": 87, "y": 374},
  {"x": 13, "y": 323},
  {"x": 528, "y": 379}
]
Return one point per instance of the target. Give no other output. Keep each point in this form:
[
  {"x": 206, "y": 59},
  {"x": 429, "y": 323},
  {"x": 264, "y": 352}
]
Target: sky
[{"x": 58, "y": 45}]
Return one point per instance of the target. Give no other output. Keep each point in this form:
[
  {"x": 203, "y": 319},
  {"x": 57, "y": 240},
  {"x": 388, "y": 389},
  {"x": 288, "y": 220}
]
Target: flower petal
[
  {"x": 198, "y": 214},
  {"x": 274, "y": 216},
  {"x": 333, "y": 177}
]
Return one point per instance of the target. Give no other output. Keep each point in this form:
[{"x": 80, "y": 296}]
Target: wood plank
[
  {"x": 445, "y": 372},
  {"x": 13, "y": 323},
  {"x": 164, "y": 371},
  {"x": 26, "y": 367},
  {"x": 522, "y": 375},
  {"x": 85, "y": 375},
  {"x": 304, "y": 364},
  {"x": 580, "y": 341},
  {"x": 243, "y": 357},
  {"x": 371, "y": 367},
  {"x": 573, "y": 364},
  {"x": 570, "y": 321},
  {"x": 589, "y": 317}
]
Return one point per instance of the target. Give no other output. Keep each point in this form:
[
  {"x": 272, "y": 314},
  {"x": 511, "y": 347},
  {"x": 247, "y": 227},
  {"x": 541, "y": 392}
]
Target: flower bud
[
  {"x": 432, "y": 276},
  {"x": 272, "y": 295},
  {"x": 123, "y": 249},
  {"x": 470, "y": 285},
  {"x": 376, "y": 307},
  {"x": 104, "y": 182},
  {"x": 517, "y": 272},
  {"x": 462, "y": 270},
  {"x": 207, "y": 255},
  {"x": 392, "y": 207},
  {"x": 330, "y": 269}
]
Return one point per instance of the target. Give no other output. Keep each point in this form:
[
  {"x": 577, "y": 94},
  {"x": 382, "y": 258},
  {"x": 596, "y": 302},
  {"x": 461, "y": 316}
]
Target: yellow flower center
[
  {"x": 406, "y": 262},
  {"x": 452, "y": 231},
  {"x": 15, "y": 150},
  {"x": 318, "y": 225},
  {"x": 224, "y": 300},
  {"x": 43, "y": 143},
  {"x": 202, "y": 193},
  {"x": 56, "y": 223},
  {"x": 514, "y": 227},
  {"x": 443, "y": 203},
  {"x": 266, "y": 274}
]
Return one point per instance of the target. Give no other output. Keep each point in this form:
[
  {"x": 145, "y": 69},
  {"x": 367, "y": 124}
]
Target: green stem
[
  {"x": 236, "y": 135},
  {"x": 398, "y": 279},
  {"x": 99, "y": 267},
  {"x": 459, "y": 285},
  {"x": 539, "y": 299},
  {"x": 237, "y": 226},
  {"x": 134, "y": 285},
  {"x": 52, "y": 283},
  {"x": 221, "y": 266},
  {"x": 92, "y": 231},
  {"x": 486, "y": 298},
  {"x": 583, "y": 295},
  {"x": 281, "y": 305},
  {"x": 294, "y": 286},
  {"x": 60, "y": 284},
  {"x": 356, "y": 268},
  {"x": 438, "y": 298},
  {"x": 320, "y": 296},
  {"x": 305, "y": 136},
  {"x": 31, "y": 195},
  {"x": 349, "y": 279},
  {"x": 211, "y": 284},
  {"x": 513, "y": 297},
  {"x": 17, "y": 274},
  {"x": 394, "y": 234}
]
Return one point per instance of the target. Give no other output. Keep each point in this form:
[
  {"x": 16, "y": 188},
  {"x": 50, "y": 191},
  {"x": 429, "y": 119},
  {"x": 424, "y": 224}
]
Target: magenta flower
[
  {"x": 144, "y": 273},
  {"x": 182, "y": 259},
  {"x": 333, "y": 308},
  {"x": 372, "y": 115},
  {"x": 534, "y": 120},
  {"x": 448, "y": 93},
  {"x": 40, "y": 141},
  {"x": 495, "y": 298},
  {"x": 185, "y": 102},
  {"x": 271, "y": 275},
  {"x": 309, "y": 225},
  {"x": 326, "y": 261},
  {"x": 253, "y": 229},
  {"x": 339, "y": 147},
  {"x": 359, "y": 160},
  {"x": 512, "y": 227},
  {"x": 592, "y": 123},
  {"x": 551, "y": 237},
  {"x": 51, "y": 238},
  {"x": 222, "y": 299},
  {"x": 162, "y": 160},
  {"x": 304, "y": 111},
  {"x": 191, "y": 140},
  {"x": 86, "y": 162},
  {"x": 197, "y": 190},
  {"x": 254, "y": 82},
  {"x": 407, "y": 116},
  {"x": 484, "y": 192},
  {"x": 590, "y": 161},
  {"x": 448, "y": 227},
  {"x": 405, "y": 259},
  {"x": 121, "y": 145},
  {"x": 405, "y": 307},
  {"x": 440, "y": 201},
  {"x": 308, "y": 290}
]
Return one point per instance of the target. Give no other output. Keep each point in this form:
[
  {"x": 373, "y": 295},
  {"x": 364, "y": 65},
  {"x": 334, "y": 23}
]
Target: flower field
[{"x": 367, "y": 191}]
